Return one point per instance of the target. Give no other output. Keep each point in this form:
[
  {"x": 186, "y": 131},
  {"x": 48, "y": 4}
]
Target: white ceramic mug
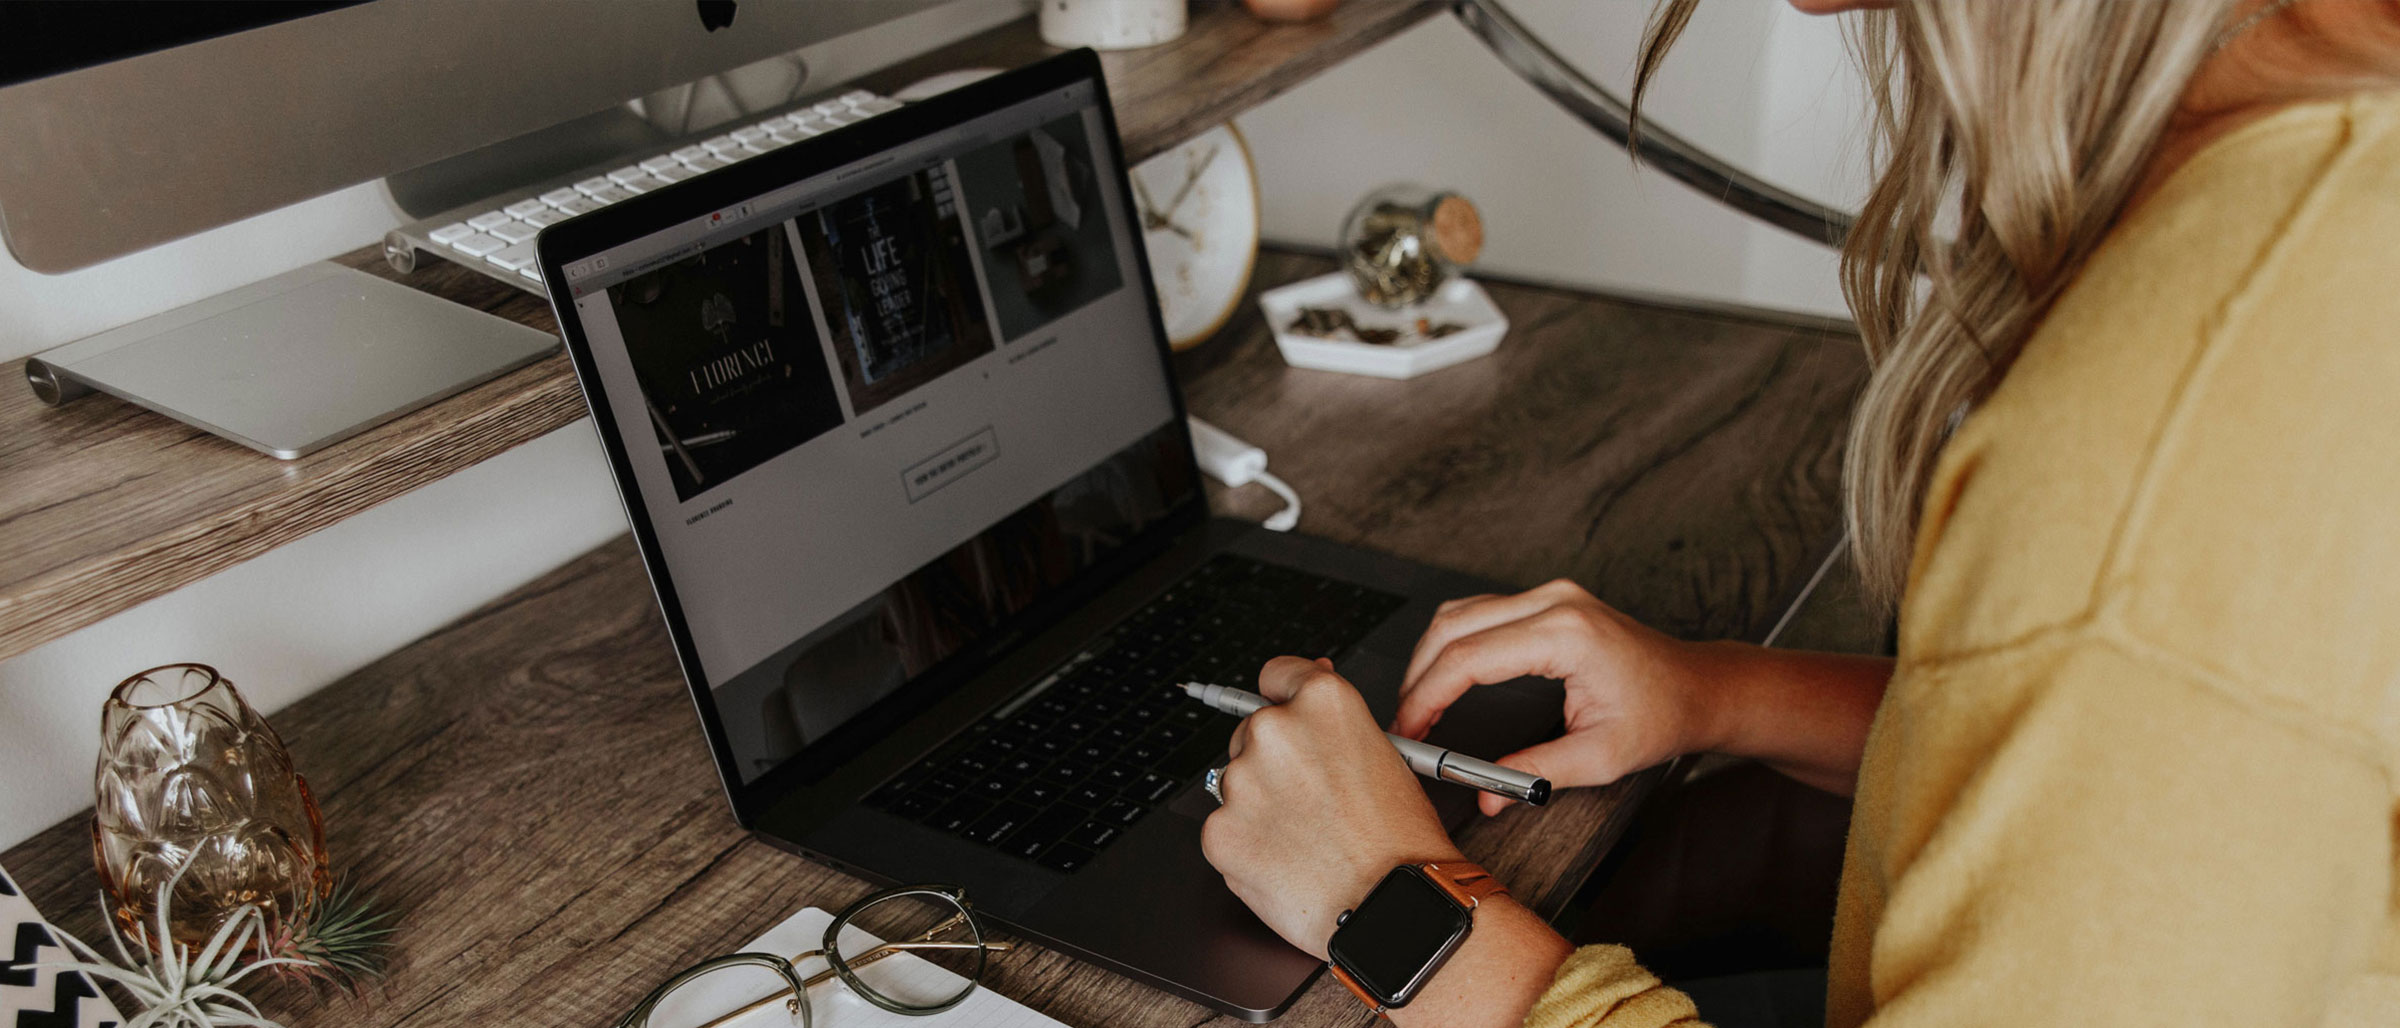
[{"x": 1111, "y": 24}]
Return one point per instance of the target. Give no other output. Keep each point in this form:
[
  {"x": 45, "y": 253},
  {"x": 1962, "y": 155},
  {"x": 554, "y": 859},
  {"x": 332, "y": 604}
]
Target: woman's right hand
[{"x": 1634, "y": 695}]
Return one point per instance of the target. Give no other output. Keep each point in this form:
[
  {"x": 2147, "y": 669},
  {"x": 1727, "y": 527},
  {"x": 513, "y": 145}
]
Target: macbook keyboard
[{"x": 1061, "y": 771}]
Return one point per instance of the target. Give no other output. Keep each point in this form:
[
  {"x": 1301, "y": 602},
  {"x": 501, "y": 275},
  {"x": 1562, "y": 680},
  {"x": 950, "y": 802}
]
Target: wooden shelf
[{"x": 104, "y": 505}]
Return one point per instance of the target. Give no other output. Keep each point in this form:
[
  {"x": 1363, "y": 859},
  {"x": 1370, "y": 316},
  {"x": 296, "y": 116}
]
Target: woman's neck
[{"x": 2306, "y": 50}]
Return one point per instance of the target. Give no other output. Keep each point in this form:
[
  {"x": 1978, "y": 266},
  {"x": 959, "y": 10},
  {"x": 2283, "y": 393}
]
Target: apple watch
[{"x": 1393, "y": 942}]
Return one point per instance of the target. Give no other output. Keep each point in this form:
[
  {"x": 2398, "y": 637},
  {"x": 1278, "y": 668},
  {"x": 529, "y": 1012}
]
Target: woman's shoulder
[{"x": 2200, "y": 448}]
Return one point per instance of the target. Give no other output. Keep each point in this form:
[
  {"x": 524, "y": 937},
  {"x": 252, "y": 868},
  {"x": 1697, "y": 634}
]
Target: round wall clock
[{"x": 1198, "y": 204}]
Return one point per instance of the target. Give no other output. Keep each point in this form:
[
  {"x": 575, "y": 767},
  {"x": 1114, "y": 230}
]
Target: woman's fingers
[
  {"x": 1528, "y": 646},
  {"x": 1460, "y": 618}
]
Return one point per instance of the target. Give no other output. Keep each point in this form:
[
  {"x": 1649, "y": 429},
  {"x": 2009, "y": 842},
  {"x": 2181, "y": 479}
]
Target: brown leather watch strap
[{"x": 1467, "y": 883}]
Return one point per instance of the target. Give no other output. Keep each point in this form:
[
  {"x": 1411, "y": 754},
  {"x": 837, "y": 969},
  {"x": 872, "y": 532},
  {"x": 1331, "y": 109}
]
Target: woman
[{"x": 2130, "y": 283}]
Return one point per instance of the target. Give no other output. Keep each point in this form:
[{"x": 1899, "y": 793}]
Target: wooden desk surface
[{"x": 529, "y": 788}]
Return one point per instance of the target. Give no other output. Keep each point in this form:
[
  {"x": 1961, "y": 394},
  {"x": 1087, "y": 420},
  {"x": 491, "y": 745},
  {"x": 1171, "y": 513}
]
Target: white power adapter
[{"x": 1236, "y": 463}]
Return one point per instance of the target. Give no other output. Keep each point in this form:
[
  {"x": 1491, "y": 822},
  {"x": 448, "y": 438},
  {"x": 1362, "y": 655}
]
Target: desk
[{"x": 529, "y": 787}]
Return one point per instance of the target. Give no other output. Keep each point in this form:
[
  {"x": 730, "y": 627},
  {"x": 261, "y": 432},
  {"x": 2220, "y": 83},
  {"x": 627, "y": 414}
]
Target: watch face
[{"x": 1399, "y": 936}]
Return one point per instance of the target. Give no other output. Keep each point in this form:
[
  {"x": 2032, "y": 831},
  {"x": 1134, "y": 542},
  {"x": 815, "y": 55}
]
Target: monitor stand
[{"x": 294, "y": 363}]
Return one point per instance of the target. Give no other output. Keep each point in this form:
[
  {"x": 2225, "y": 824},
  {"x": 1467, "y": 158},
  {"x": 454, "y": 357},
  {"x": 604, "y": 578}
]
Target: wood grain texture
[
  {"x": 1682, "y": 464},
  {"x": 528, "y": 785},
  {"x": 1226, "y": 62},
  {"x": 104, "y": 504}
]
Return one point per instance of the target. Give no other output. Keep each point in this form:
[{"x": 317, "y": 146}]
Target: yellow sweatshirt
[{"x": 2140, "y": 761}]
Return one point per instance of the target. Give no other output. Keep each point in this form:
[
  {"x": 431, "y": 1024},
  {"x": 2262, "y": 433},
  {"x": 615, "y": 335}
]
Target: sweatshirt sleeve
[
  {"x": 2092, "y": 833},
  {"x": 1602, "y": 987}
]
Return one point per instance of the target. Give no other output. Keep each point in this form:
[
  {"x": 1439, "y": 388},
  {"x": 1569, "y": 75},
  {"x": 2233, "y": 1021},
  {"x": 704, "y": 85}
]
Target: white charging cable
[{"x": 1236, "y": 463}]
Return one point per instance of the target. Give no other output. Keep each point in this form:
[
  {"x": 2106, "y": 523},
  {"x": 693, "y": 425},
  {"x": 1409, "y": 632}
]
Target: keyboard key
[
  {"x": 603, "y": 197},
  {"x": 704, "y": 162},
  {"x": 557, "y": 196},
  {"x": 545, "y": 219},
  {"x": 995, "y": 826},
  {"x": 1087, "y": 797},
  {"x": 676, "y": 173},
  {"x": 1041, "y": 792},
  {"x": 658, "y": 164},
  {"x": 1043, "y": 831},
  {"x": 524, "y": 207},
  {"x": 720, "y": 144},
  {"x": 1092, "y": 753},
  {"x": 845, "y": 117},
  {"x": 585, "y": 205},
  {"x": 451, "y": 233},
  {"x": 640, "y": 185},
  {"x": 518, "y": 231},
  {"x": 1152, "y": 787},
  {"x": 992, "y": 788},
  {"x": 626, "y": 174},
  {"x": 1067, "y": 772},
  {"x": 513, "y": 257},
  {"x": 830, "y": 107},
  {"x": 593, "y": 184},
  {"x": 477, "y": 245},
  {"x": 690, "y": 153},
  {"x": 1064, "y": 857},
  {"x": 944, "y": 784},
  {"x": 1116, "y": 776},
  {"x": 483, "y": 222},
  {"x": 1122, "y": 812},
  {"x": 913, "y": 806},
  {"x": 856, "y": 97},
  {"x": 878, "y": 105},
  {"x": 532, "y": 273},
  {"x": 749, "y": 135},
  {"x": 1095, "y": 834},
  {"x": 782, "y": 136},
  {"x": 754, "y": 149},
  {"x": 959, "y": 814}
]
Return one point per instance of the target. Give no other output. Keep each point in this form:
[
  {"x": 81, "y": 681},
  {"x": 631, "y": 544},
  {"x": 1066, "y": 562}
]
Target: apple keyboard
[{"x": 495, "y": 236}]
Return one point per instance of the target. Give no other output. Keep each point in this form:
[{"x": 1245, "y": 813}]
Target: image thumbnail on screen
[
  {"x": 1048, "y": 246},
  {"x": 728, "y": 359},
  {"x": 898, "y": 286}
]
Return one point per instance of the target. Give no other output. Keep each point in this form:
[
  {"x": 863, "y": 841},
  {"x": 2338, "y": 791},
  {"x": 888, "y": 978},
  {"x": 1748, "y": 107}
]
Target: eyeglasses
[{"x": 934, "y": 922}]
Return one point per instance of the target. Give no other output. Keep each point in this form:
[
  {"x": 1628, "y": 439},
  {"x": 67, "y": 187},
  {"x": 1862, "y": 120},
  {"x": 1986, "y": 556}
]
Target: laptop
[{"x": 892, "y": 416}]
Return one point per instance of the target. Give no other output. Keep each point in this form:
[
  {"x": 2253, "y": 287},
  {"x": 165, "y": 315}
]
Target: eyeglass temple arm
[{"x": 1523, "y": 53}]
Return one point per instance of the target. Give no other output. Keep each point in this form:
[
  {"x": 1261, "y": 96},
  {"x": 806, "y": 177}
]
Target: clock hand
[
  {"x": 1149, "y": 208},
  {"x": 1190, "y": 179}
]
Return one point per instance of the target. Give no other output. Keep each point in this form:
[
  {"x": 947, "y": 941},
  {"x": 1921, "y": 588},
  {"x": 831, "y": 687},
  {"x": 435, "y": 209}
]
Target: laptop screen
[{"x": 874, "y": 414}]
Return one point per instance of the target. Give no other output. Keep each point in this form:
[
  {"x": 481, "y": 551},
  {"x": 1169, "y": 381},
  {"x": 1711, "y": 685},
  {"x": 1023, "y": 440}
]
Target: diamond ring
[{"x": 1215, "y": 784}]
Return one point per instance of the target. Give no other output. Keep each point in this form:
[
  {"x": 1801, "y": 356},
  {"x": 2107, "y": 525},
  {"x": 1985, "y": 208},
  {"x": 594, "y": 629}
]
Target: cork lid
[{"x": 1457, "y": 229}]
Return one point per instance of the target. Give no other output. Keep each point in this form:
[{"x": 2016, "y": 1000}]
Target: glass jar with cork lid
[{"x": 1403, "y": 241}]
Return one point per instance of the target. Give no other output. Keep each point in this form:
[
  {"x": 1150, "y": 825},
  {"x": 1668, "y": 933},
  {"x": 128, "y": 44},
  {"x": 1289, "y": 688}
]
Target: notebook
[{"x": 835, "y": 1005}]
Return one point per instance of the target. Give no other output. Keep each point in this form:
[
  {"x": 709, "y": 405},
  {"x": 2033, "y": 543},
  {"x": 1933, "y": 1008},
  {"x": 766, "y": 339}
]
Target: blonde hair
[{"x": 2009, "y": 134}]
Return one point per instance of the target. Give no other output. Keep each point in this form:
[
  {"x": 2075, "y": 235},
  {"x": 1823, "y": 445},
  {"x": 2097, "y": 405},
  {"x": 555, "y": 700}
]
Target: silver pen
[{"x": 1423, "y": 758}]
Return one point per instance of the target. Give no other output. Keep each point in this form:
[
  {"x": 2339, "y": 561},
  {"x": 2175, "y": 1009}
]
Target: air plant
[{"x": 175, "y": 988}]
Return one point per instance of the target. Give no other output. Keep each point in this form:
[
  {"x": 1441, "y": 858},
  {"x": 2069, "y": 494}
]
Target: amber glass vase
[{"x": 192, "y": 780}]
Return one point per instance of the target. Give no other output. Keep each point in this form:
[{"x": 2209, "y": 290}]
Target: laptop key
[
  {"x": 992, "y": 788},
  {"x": 945, "y": 783},
  {"x": 959, "y": 813},
  {"x": 995, "y": 826},
  {"x": 1116, "y": 776},
  {"x": 1043, "y": 831},
  {"x": 1153, "y": 787},
  {"x": 1123, "y": 812},
  {"x": 1067, "y": 772},
  {"x": 1087, "y": 797},
  {"x": 1094, "y": 834},
  {"x": 1041, "y": 792},
  {"x": 1067, "y": 858}
]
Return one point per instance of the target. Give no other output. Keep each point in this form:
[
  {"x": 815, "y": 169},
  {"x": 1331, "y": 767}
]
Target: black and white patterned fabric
[{"x": 40, "y": 997}]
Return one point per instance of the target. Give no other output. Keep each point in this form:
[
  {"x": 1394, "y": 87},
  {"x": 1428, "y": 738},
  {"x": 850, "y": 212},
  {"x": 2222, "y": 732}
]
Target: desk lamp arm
[{"x": 1523, "y": 53}]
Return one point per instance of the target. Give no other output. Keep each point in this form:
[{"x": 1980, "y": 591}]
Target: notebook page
[{"x": 834, "y": 1004}]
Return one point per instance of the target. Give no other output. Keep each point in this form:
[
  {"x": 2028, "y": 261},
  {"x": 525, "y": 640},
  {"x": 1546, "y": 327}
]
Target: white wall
[
  {"x": 308, "y": 613},
  {"x": 1752, "y": 80}
]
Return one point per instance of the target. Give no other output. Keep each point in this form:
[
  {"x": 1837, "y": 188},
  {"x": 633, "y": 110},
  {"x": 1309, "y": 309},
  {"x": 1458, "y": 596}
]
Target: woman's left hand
[{"x": 1318, "y": 805}]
